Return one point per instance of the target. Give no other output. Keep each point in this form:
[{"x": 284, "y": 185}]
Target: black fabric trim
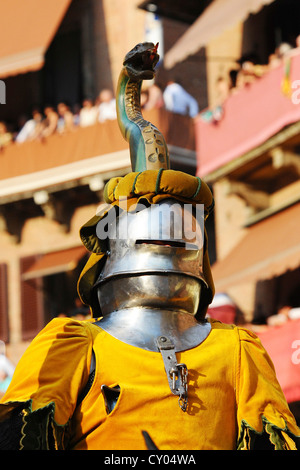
[
  {"x": 87, "y": 388},
  {"x": 11, "y": 430}
]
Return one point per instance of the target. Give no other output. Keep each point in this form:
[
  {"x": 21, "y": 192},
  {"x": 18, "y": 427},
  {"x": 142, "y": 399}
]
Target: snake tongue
[{"x": 154, "y": 52}]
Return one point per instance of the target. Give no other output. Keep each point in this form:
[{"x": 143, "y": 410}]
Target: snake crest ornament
[
  {"x": 150, "y": 286},
  {"x": 148, "y": 149}
]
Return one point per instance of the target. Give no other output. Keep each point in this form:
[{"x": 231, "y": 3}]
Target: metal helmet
[{"x": 155, "y": 258}]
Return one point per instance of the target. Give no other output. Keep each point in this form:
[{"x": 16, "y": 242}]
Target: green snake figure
[{"x": 148, "y": 149}]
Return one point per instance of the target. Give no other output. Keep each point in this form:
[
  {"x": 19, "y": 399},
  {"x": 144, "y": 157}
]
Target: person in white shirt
[
  {"x": 88, "y": 113},
  {"x": 28, "y": 131},
  {"x": 178, "y": 100},
  {"x": 6, "y": 369},
  {"x": 107, "y": 106}
]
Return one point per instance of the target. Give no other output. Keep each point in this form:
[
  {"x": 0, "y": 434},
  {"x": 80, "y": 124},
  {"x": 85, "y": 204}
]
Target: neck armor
[
  {"x": 141, "y": 327},
  {"x": 152, "y": 279}
]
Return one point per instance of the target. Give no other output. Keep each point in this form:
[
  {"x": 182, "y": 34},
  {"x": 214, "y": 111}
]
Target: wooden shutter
[
  {"x": 32, "y": 307},
  {"x": 4, "y": 327}
]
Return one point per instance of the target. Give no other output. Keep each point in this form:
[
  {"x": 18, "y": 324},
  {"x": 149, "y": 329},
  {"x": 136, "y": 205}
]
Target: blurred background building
[{"x": 240, "y": 61}]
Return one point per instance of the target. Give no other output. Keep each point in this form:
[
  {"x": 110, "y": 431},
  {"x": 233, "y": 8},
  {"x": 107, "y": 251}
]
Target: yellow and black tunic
[{"x": 234, "y": 397}]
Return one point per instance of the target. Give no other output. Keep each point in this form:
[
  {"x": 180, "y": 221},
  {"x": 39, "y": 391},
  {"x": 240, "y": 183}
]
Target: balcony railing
[
  {"x": 83, "y": 143},
  {"x": 251, "y": 116},
  {"x": 100, "y": 148}
]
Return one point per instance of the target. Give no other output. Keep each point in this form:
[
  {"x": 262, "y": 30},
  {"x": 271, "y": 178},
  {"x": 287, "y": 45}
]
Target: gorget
[{"x": 141, "y": 327}]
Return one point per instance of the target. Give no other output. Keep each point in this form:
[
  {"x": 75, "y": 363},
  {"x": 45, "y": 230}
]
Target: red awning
[
  {"x": 225, "y": 314},
  {"x": 56, "y": 262},
  {"x": 26, "y": 30},
  {"x": 268, "y": 249},
  {"x": 283, "y": 346},
  {"x": 222, "y": 308}
]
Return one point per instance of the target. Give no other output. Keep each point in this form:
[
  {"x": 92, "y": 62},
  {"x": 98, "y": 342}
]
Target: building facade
[
  {"x": 247, "y": 145},
  {"x": 64, "y": 51}
]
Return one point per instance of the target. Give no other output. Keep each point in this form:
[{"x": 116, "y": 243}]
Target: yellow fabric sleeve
[
  {"x": 262, "y": 407},
  {"x": 47, "y": 381}
]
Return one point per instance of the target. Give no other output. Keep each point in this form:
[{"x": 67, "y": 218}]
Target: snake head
[{"x": 141, "y": 61}]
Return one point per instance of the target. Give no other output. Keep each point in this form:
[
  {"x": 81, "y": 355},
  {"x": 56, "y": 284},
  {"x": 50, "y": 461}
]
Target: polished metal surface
[
  {"x": 167, "y": 220},
  {"x": 171, "y": 291},
  {"x": 141, "y": 327},
  {"x": 164, "y": 238},
  {"x": 152, "y": 279}
]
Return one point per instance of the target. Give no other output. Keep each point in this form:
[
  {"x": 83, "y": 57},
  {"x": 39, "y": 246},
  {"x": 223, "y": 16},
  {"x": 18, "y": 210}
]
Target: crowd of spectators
[
  {"x": 247, "y": 71},
  {"x": 63, "y": 118},
  {"x": 174, "y": 98},
  {"x": 60, "y": 119}
]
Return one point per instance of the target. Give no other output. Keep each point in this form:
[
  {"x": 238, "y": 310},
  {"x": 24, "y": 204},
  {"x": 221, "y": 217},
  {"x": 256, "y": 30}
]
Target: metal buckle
[{"x": 176, "y": 373}]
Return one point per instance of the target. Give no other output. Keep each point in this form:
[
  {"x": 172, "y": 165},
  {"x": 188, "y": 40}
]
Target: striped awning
[
  {"x": 216, "y": 18},
  {"x": 55, "y": 262},
  {"x": 268, "y": 249},
  {"x": 26, "y": 31}
]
